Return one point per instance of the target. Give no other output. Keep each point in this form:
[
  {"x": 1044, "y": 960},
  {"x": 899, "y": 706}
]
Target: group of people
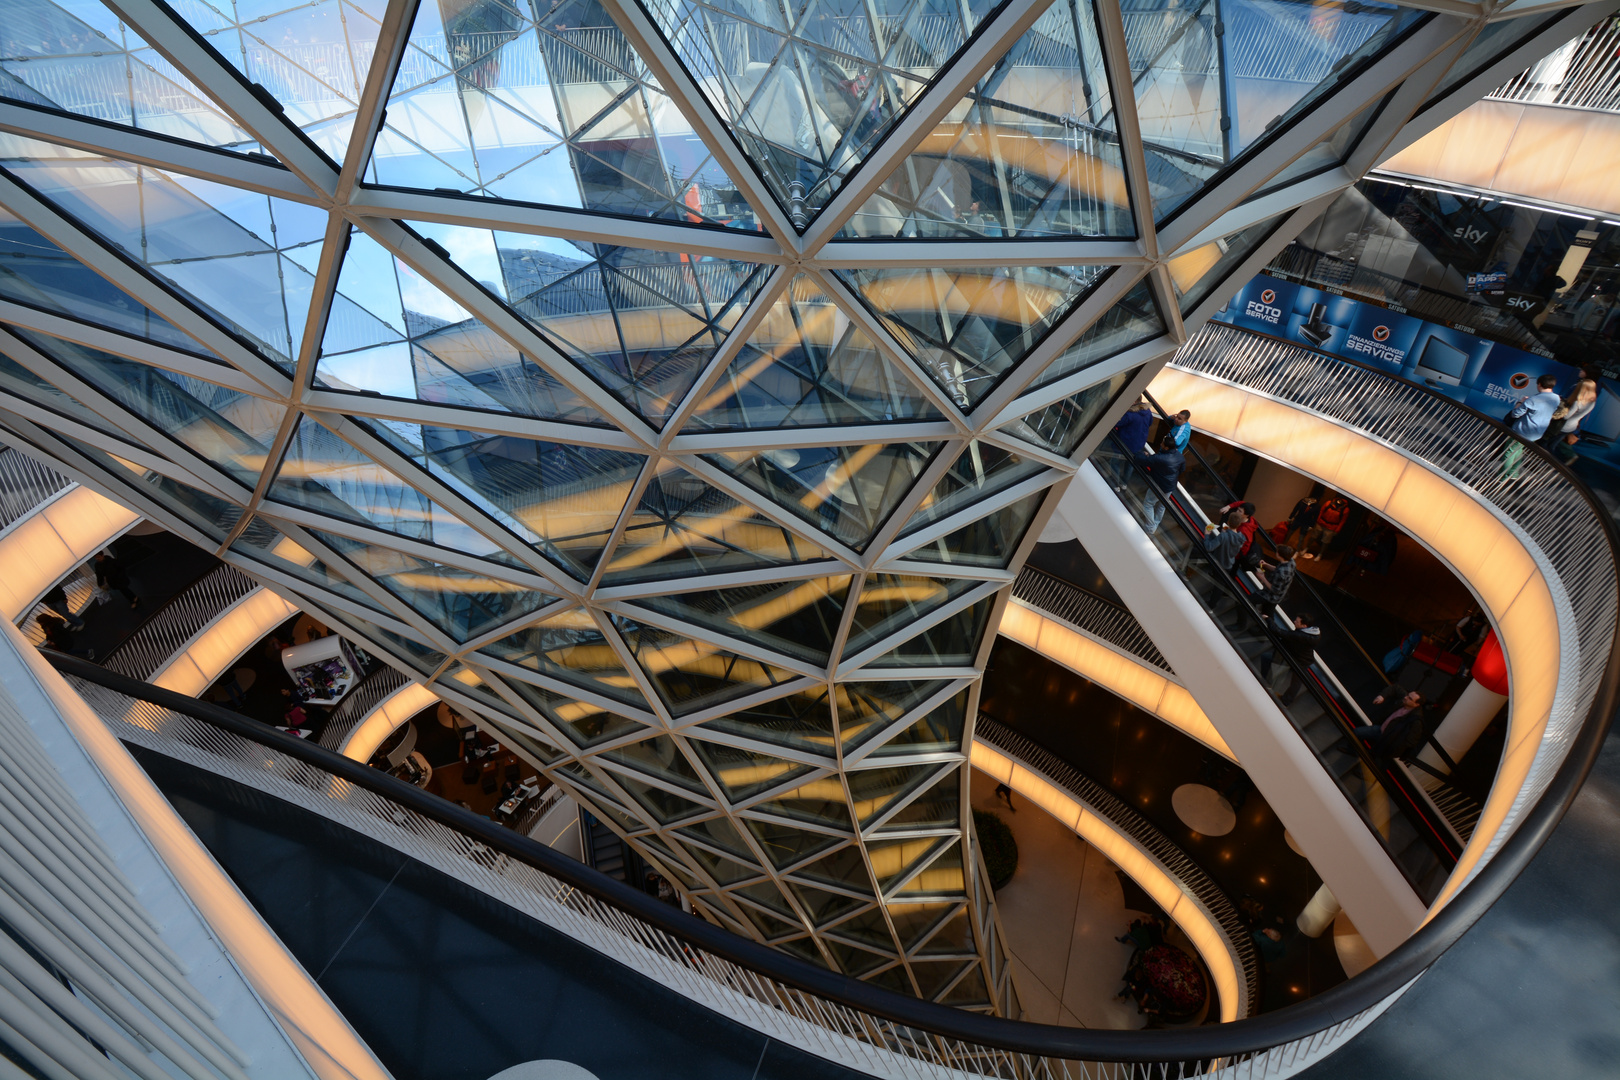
[
  {"x": 1549, "y": 418},
  {"x": 1164, "y": 461}
]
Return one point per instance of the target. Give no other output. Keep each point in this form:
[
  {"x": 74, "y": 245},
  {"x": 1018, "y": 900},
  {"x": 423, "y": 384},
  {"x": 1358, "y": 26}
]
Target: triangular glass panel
[
  {"x": 1063, "y": 425},
  {"x": 720, "y": 833},
  {"x": 468, "y": 681},
  {"x": 660, "y": 757},
  {"x": 1031, "y": 150},
  {"x": 313, "y": 57},
  {"x": 819, "y": 801},
  {"x": 766, "y": 895},
  {"x": 1210, "y": 83},
  {"x": 943, "y": 877},
  {"x": 894, "y": 978},
  {"x": 509, "y": 735},
  {"x": 847, "y": 491},
  {"x": 666, "y": 806},
  {"x": 1197, "y": 273},
  {"x": 18, "y": 380},
  {"x": 866, "y": 708},
  {"x": 243, "y": 258},
  {"x": 968, "y": 993},
  {"x": 322, "y": 473},
  {"x": 723, "y": 870},
  {"x": 392, "y": 333},
  {"x": 856, "y": 962},
  {"x": 263, "y": 541},
  {"x": 35, "y": 272},
  {"x": 562, "y": 498},
  {"x": 460, "y": 602},
  {"x": 980, "y": 471},
  {"x": 786, "y": 846},
  {"x": 569, "y": 646},
  {"x": 599, "y": 800},
  {"x": 937, "y": 731},
  {"x": 843, "y": 869},
  {"x": 933, "y": 976},
  {"x": 795, "y": 618},
  {"x": 691, "y": 675},
  {"x": 940, "y": 807},
  {"x": 873, "y": 790},
  {"x": 822, "y": 906},
  {"x": 586, "y": 724},
  {"x": 224, "y": 427},
  {"x": 209, "y": 513},
  {"x": 419, "y": 656},
  {"x": 913, "y": 922},
  {"x": 744, "y": 773},
  {"x": 989, "y": 542},
  {"x": 642, "y": 323},
  {"x": 892, "y": 860},
  {"x": 809, "y": 90},
  {"x": 870, "y": 928},
  {"x": 968, "y": 327},
  {"x": 82, "y": 59},
  {"x": 549, "y": 104},
  {"x": 808, "y": 364},
  {"x": 951, "y": 643},
  {"x": 1132, "y": 321},
  {"x": 684, "y": 526},
  {"x": 801, "y": 721},
  {"x": 955, "y": 938},
  {"x": 890, "y": 602}
]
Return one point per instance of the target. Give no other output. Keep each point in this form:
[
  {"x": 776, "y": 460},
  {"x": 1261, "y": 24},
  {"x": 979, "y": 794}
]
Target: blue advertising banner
[{"x": 1483, "y": 374}]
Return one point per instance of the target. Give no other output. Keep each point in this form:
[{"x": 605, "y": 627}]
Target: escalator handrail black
[
  {"x": 1267, "y": 544},
  {"x": 1295, "y": 1023},
  {"x": 1430, "y": 824}
]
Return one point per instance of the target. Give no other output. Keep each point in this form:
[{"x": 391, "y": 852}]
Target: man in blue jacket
[
  {"x": 1133, "y": 427},
  {"x": 1165, "y": 468},
  {"x": 1528, "y": 420}
]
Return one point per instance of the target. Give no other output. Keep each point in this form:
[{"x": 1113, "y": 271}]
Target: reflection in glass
[
  {"x": 808, "y": 90},
  {"x": 569, "y": 646},
  {"x": 1031, "y": 150},
  {"x": 224, "y": 427},
  {"x": 1063, "y": 425},
  {"x": 1132, "y": 321},
  {"x": 808, "y": 364},
  {"x": 937, "y": 731},
  {"x": 939, "y": 807},
  {"x": 950, "y": 643},
  {"x": 248, "y": 260},
  {"x": 393, "y": 333},
  {"x": 988, "y": 542},
  {"x": 263, "y": 541},
  {"x": 891, "y": 602},
  {"x": 691, "y": 675},
  {"x": 801, "y": 721},
  {"x": 866, "y": 709},
  {"x": 744, "y": 773},
  {"x": 819, "y": 801},
  {"x": 967, "y": 328},
  {"x": 1198, "y": 272},
  {"x": 460, "y": 602},
  {"x": 641, "y": 323},
  {"x": 312, "y": 57},
  {"x": 22, "y": 383},
  {"x": 683, "y": 526},
  {"x": 796, "y": 618},
  {"x": 1211, "y": 82},
  {"x": 785, "y": 845},
  {"x": 35, "y": 272},
  {"x": 848, "y": 491},
  {"x": 562, "y": 498},
  {"x": 81, "y": 58},
  {"x": 546, "y": 103},
  {"x": 586, "y": 724},
  {"x": 980, "y": 471},
  {"x": 660, "y": 757}
]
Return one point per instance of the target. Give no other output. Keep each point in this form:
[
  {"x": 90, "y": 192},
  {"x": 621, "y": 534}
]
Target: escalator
[{"x": 1396, "y": 809}]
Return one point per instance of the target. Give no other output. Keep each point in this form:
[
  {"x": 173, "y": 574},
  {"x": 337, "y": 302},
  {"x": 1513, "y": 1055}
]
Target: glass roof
[{"x": 677, "y": 382}]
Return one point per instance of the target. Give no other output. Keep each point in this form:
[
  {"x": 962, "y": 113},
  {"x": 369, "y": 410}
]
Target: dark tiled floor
[
  {"x": 161, "y": 566},
  {"x": 1143, "y": 760},
  {"x": 443, "y": 982}
]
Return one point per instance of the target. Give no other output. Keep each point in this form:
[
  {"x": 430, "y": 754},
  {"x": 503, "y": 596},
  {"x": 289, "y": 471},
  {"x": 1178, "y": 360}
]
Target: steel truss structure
[{"x": 676, "y": 387}]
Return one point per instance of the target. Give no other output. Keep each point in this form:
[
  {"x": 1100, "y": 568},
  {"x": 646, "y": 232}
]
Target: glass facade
[{"x": 548, "y": 361}]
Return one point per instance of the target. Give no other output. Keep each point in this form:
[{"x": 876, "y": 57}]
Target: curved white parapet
[
  {"x": 1143, "y": 685},
  {"x": 384, "y": 719},
  {"x": 43, "y": 547},
  {"x": 213, "y": 649},
  {"x": 1188, "y": 912},
  {"x": 1511, "y": 579}
]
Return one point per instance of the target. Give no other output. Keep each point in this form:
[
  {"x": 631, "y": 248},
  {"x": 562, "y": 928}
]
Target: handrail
[
  {"x": 25, "y": 484},
  {"x": 161, "y": 634},
  {"x": 1272, "y": 1034},
  {"x": 1429, "y": 824},
  {"x": 1091, "y": 613}
]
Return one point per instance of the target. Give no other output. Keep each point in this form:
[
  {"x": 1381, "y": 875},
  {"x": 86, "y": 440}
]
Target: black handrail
[
  {"x": 1297, "y": 1022},
  {"x": 1430, "y": 824}
]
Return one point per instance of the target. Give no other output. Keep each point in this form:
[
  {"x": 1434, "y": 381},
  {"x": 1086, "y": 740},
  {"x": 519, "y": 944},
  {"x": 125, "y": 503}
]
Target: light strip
[
  {"x": 41, "y": 549},
  {"x": 214, "y": 648},
  {"x": 381, "y": 722}
]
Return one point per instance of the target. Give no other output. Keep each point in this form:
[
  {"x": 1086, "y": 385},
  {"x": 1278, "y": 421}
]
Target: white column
[
  {"x": 1457, "y": 733},
  {"x": 1327, "y": 828},
  {"x": 1318, "y": 915}
]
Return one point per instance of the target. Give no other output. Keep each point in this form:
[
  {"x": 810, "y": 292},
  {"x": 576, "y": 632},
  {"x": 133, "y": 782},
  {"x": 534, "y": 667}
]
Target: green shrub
[{"x": 999, "y": 848}]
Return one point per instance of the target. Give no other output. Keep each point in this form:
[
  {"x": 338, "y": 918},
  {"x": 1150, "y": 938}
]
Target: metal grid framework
[{"x": 677, "y": 388}]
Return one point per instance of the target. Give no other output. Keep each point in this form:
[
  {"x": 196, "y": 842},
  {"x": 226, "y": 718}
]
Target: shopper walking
[
  {"x": 57, "y": 601},
  {"x": 1249, "y": 557},
  {"x": 1397, "y": 722},
  {"x": 1299, "y": 640},
  {"x": 1275, "y": 577},
  {"x": 1181, "y": 430},
  {"x": 1226, "y": 540},
  {"x": 1528, "y": 420},
  {"x": 1561, "y": 435},
  {"x": 1329, "y": 520},
  {"x": 111, "y": 575},
  {"x": 1303, "y": 519}
]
